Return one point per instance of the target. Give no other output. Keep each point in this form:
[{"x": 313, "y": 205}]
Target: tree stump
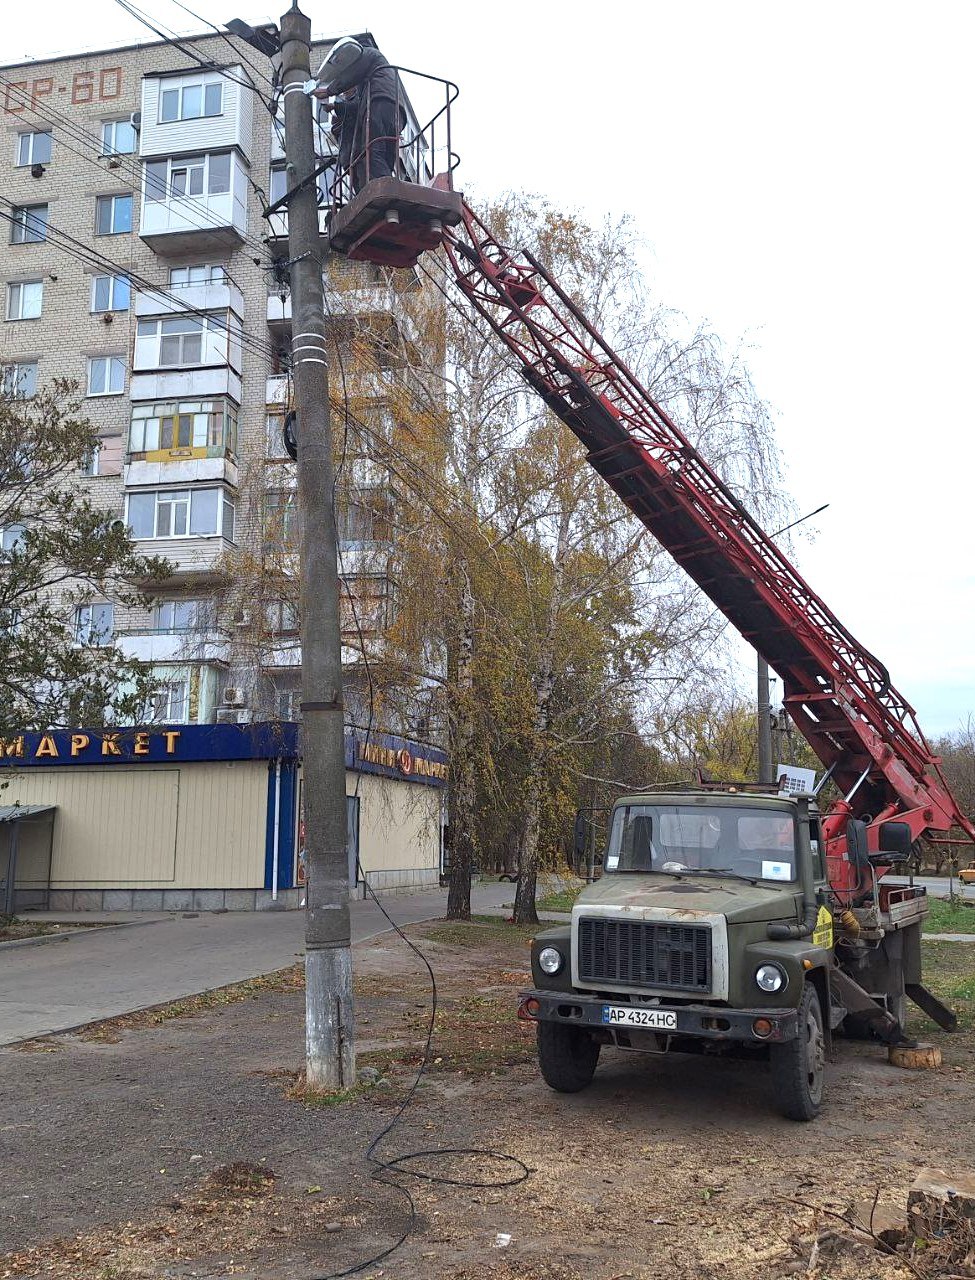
[{"x": 924, "y": 1057}]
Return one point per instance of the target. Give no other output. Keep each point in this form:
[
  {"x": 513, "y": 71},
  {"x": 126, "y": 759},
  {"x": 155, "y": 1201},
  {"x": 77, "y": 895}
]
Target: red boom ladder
[{"x": 838, "y": 694}]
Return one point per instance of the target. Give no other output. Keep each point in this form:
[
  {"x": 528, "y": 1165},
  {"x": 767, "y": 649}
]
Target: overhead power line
[{"x": 131, "y": 168}]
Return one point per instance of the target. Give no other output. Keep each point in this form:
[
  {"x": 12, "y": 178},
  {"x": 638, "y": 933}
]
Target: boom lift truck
[{"x": 733, "y": 920}]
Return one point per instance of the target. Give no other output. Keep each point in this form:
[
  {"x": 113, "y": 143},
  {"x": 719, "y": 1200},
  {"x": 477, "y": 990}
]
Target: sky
[{"x": 801, "y": 178}]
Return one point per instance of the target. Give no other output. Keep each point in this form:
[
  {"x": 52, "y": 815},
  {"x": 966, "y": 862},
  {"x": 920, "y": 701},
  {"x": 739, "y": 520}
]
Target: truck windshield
[{"x": 757, "y": 843}]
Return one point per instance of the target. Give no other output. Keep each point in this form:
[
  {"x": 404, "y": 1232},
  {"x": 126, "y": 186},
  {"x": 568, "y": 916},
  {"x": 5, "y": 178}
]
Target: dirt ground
[{"x": 179, "y": 1143}]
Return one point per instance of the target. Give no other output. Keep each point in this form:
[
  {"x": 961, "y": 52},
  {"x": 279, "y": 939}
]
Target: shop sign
[
  {"x": 186, "y": 744},
  {"x": 395, "y": 758}
]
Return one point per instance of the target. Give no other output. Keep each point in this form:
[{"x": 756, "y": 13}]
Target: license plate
[{"x": 636, "y": 1016}]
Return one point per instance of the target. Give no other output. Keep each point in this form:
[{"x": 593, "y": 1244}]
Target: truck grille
[{"x": 643, "y": 953}]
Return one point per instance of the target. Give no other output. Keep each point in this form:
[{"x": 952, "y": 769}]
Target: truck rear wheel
[
  {"x": 567, "y": 1056},
  {"x": 798, "y": 1067}
]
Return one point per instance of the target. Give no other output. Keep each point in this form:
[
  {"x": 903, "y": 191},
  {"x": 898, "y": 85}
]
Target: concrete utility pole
[
  {"x": 766, "y": 765},
  {"x": 329, "y": 1042}
]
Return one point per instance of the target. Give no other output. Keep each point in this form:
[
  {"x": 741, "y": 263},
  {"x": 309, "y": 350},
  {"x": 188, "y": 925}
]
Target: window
[
  {"x": 171, "y": 342},
  {"x": 180, "y": 277},
  {"x": 181, "y": 513},
  {"x": 89, "y": 465},
  {"x": 113, "y": 215},
  {"x": 184, "y": 424},
  {"x": 275, "y": 436},
  {"x": 279, "y": 184},
  {"x": 288, "y": 701},
  {"x": 176, "y": 615},
  {"x": 24, "y": 300},
  {"x": 20, "y": 379},
  {"x": 364, "y": 517},
  {"x": 282, "y": 618},
  {"x": 94, "y": 623},
  {"x": 118, "y": 138},
  {"x": 194, "y": 176},
  {"x": 28, "y": 224},
  {"x": 192, "y": 99},
  {"x": 718, "y": 840},
  {"x": 12, "y": 537},
  {"x": 106, "y": 376},
  {"x": 171, "y": 702},
  {"x": 365, "y": 604},
  {"x": 281, "y": 519},
  {"x": 110, "y": 293},
  {"x": 33, "y": 148},
  {"x": 10, "y": 619}
]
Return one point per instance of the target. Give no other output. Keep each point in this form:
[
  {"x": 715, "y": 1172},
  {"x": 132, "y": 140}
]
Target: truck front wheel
[
  {"x": 567, "y": 1056},
  {"x": 798, "y": 1067}
]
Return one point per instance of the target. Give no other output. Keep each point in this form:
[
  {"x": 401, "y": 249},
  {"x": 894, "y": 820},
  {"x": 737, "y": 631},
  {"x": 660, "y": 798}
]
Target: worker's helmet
[{"x": 340, "y": 57}]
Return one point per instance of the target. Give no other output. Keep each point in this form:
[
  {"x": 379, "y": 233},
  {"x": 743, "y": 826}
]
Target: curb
[{"x": 67, "y": 934}]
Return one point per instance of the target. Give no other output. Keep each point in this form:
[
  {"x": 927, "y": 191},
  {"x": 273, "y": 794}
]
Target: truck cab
[{"x": 711, "y": 929}]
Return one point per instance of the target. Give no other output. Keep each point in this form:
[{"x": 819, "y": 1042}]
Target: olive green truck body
[{"x": 712, "y": 929}]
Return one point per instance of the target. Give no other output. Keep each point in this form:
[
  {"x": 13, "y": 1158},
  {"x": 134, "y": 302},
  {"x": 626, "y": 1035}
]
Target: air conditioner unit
[
  {"x": 242, "y": 618},
  {"x": 135, "y": 120},
  {"x": 233, "y": 697}
]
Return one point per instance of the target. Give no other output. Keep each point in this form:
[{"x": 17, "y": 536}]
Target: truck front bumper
[{"x": 695, "y": 1021}]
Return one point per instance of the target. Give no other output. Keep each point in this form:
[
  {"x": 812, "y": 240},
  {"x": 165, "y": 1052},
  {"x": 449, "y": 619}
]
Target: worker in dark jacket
[{"x": 367, "y": 125}]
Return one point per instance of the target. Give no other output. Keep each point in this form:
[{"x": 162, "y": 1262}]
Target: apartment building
[{"x": 139, "y": 263}]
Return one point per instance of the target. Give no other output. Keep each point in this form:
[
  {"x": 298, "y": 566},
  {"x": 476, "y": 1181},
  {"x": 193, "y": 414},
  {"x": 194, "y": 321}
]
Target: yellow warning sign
[{"x": 823, "y": 932}]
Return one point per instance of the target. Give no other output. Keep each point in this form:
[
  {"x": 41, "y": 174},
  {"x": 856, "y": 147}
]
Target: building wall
[
  {"x": 195, "y": 826},
  {"x": 399, "y": 831},
  {"x": 72, "y": 94}
]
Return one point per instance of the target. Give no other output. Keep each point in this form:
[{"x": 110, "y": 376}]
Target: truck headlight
[
  {"x": 549, "y": 960},
  {"x": 770, "y": 978}
]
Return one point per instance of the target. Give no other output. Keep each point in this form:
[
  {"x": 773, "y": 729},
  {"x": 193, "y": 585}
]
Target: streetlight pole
[
  {"x": 766, "y": 765},
  {"x": 329, "y": 1042}
]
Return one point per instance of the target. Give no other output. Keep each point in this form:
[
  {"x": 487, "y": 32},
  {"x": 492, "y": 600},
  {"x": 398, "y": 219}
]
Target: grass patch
[
  {"x": 949, "y": 917},
  {"x": 479, "y": 931},
  {"x": 561, "y": 899},
  {"x": 14, "y": 929},
  {"x": 948, "y": 970}
]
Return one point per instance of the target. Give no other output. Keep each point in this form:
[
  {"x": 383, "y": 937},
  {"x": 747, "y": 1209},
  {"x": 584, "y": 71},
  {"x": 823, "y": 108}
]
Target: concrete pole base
[{"x": 329, "y": 1028}]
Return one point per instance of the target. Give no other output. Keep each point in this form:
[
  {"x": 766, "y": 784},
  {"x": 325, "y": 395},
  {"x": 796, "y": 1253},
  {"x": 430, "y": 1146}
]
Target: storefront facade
[{"x": 208, "y": 817}]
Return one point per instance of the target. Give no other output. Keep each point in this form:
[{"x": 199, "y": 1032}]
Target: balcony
[
  {"x": 185, "y": 384},
  {"x": 172, "y": 469},
  {"x": 194, "y": 205},
  {"x": 168, "y": 646},
  {"x": 181, "y": 442},
  {"x": 179, "y": 356},
  {"x": 222, "y": 296},
  {"x": 279, "y": 312},
  {"x": 193, "y": 560},
  {"x": 196, "y": 110},
  {"x": 277, "y": 390}
]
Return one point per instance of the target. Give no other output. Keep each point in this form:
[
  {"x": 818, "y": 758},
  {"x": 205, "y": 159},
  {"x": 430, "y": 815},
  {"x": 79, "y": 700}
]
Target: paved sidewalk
[{"x": 101, "y": 973}]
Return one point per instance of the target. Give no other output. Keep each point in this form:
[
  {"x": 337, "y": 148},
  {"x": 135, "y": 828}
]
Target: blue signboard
[{"x": 377, "y": 753}]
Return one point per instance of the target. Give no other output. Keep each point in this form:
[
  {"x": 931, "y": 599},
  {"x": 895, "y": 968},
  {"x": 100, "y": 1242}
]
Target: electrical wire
[
  {"x": 75, "y": 248},
  {"x": 132, "y": 168},
  {"x": 172, "y": 39},
  {"x": 227, "y": 40}
]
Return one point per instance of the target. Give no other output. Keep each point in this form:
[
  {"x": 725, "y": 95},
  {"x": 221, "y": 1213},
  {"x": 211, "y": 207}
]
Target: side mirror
[
  {"x": 896, "y": 840},
  {"x": 576, "y": 858},
  {"x": 856, "y": 842}
]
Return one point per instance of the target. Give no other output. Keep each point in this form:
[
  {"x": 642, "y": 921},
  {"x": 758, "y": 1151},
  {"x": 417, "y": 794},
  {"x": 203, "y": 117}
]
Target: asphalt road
[
  {"x": 937, "y": 887},
  {"x": 101, "y": 973}
]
